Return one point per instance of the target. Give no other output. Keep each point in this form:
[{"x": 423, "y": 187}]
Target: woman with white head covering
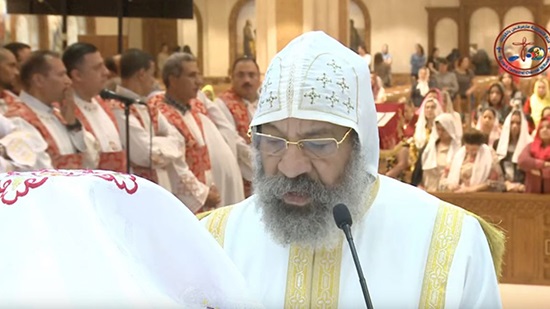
[
  {"x": 474, "y": 167},
  {"x": 488, "y": 124},
  {"x": 430, "y": 108},
  {"x": 513, "y": 139},
  {"x": 447, "y": 103},
  {"x": 438, "y": 153}
]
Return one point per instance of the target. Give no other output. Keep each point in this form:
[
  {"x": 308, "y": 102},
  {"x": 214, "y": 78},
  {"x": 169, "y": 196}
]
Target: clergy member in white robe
[
  {"x": 206, "y": 151},
  {"x": 238, "y": 145},
  {"x": 83, "y": 239},
  {"x": 43, "y": 106},
  {"x": 86, "y": 68},
  {"x": 315, "y": 136},
  {"x": 157, "y": 156}
]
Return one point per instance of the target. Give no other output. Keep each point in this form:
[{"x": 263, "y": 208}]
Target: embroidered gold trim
[
  {"x": 217, "y": 223},
  {"x": 313, "y": 277},
  {"x": 326, "y": 278},
  {"x": 445, "y": 237}
]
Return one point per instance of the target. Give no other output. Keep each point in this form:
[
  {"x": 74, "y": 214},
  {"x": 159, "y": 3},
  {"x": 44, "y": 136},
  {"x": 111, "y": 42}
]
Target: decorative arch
[
  {"x": 446, "y": 35},
  {"x": 200, "y": 38},
  {"x": 233, "y": 18},
  {"x": 366, "y": 17}
]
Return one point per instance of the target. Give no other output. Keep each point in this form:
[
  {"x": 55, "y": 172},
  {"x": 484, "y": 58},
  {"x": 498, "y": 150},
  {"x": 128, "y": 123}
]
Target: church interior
[{"x": 405, "y": 44}]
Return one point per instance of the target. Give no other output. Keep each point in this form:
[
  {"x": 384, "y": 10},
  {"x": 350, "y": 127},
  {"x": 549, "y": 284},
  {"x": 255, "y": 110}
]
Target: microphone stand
[{"x": 362, "y": 281}]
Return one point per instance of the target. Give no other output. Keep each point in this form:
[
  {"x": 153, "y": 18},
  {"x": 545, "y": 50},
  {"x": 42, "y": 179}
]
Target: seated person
[
  {"x": 535, "y": 160},
  {"x": 474, "y": 167},
  {"x": 513, "y": 139},
  {"x": 437, "y": 155},
  {"x": 488, "y": 124}
]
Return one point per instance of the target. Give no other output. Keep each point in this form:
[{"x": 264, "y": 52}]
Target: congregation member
[
  {"x": 539, "y": 99},
  {"x": 206, "y": 152},
  {"x": 496, "y": 98},
  {"x": 313, "y": 152},
  {"x": 535, "y": 160},
  {"x": 489, "y": 125},
  {"x": 513, "y": 139},
  {"x": 438, "y": 154},
  {"x": 446, "y": 80},
  {"x": 421, "y": 86},
  {"x": 88, "y": 74},
  {"x": 474, "y": 167},
  {"x": 22, "y": 52},
  {"x": 47, "y": 109}
]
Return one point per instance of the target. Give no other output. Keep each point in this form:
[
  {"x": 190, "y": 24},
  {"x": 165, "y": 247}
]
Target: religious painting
[
  {"x": 357, "y": 31},
  {"x": 246, "y": 31}
]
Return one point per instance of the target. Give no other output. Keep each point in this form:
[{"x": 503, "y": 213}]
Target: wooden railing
[{"x": 526, "y": 221}]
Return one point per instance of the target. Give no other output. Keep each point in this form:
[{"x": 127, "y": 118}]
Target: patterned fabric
[
  {"x": 141, "y": 171},
  {"x": 59, "y": 161},
  {"x": 196, "y": 155},
  {"x": 110, "y": 161},
  {"x": 238, "y": 109}
]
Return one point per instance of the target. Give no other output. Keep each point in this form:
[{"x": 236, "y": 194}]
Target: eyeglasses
[{"x": 312, "y": 147}]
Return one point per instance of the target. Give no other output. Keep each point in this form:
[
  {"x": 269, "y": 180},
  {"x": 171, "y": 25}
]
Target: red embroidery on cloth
[
  {"x": 59, "y": 161},
  {"x": 239, "y": 111},
  {"x": 196, "y": 156},
  {"x": 111, "y": 161},
  {"x": 15, "y": 185}
]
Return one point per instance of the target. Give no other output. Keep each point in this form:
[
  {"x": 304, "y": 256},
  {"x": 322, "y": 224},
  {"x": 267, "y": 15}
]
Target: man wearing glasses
[{"x": 316, "y": 145}]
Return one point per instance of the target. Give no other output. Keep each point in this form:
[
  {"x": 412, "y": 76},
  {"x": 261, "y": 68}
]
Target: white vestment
[
  {"x": 68, "y": 142},
  {"x": 167, "y": 148},
  {"x": 226, "y": 125},
  {"x": 105, "y": 131},
  {"x": 393, "y": 241},
  {"x": 100, "y": 239},
  {"x": 225, "y": 170}
]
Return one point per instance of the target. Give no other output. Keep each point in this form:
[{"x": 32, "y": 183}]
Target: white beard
[{"x": 311, "y": 225}]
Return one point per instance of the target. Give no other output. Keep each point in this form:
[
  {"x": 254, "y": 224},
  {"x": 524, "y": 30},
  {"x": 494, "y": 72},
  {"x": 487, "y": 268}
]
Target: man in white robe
[
  {"x": 316, "y": 146},
  {"x": 163, "y": 150},
  {"x": 207, "y": 153},
  {"x": 88, "y": 73},
  {"x": 43, "y": 111},
  {"x": 100, "y": 239}
]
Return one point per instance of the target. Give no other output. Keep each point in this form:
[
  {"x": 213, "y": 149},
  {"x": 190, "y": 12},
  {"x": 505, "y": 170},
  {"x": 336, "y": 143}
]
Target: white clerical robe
[
  {"x": 225, "y": 170},
  {"x": 240, "y": 148},
  {"x": 68, "y": 142},
  {"x": 167, "y": 146},
  {"x": 106, "y": 133},
  {"x": 401, "y": 261}
]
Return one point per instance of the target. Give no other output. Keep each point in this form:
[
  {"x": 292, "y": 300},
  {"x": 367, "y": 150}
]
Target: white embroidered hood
[{"x": 315, "y": 77}]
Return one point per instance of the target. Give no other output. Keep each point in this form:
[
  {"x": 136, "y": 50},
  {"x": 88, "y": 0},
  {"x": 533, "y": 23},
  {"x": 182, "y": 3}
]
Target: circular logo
[{"x": 521, "y": 49}]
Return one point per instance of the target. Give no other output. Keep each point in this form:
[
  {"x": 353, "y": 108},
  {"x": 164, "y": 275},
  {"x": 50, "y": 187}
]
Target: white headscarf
[
  {"x": 420, "y": 129},
  {"x": 315, "y": 77},
  {"x": 481, "y": 170},
  {"x": 98, "y": 238},
  {"x": 523, "y": 140},
  {"x": 457, "y": 120},
  {"x": 495, "y": 132},
  {"x": 429, "y": 156}
]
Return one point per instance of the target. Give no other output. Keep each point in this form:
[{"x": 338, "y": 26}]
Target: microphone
[
  {"x": 342, "y": 217},
  {"x": 106, "y": 94}
]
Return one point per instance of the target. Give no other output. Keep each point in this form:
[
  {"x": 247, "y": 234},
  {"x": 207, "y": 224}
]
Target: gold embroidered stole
[{"x": 445, "y": 237}]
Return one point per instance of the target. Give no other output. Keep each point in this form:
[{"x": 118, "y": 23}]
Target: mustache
[{"x": 279, "y": 185}]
